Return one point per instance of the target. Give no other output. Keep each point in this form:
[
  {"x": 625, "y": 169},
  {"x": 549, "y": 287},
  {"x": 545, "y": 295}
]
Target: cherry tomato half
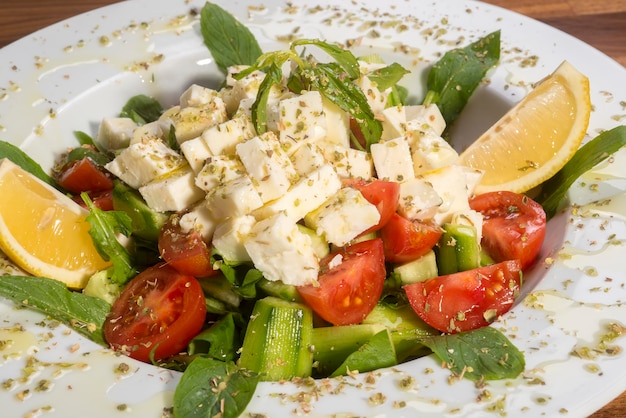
[
  {"x": 466, "y": 300},
  {"x": 349, "y": 289},
  {"x": 382, "y": 194},
  {"x": 84, "y": 176},
  {"x": 159, "y": 310},
  {"x": 405, "y": 240},
  {"x": 102, "y": 199},
  {"x": 186, "y": 251},
  {"x": 514, "y": 226}
]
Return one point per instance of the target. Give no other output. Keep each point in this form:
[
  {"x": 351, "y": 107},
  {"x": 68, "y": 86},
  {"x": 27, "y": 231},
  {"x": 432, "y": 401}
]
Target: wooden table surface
[{"x": 600, "y": 23}]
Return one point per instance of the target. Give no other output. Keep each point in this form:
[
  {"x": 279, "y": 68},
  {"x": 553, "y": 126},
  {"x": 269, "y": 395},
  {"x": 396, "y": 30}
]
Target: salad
[{"x": 320, "y": 209}]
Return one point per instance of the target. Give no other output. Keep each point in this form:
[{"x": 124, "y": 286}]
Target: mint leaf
[
  {"x": 453, "y": 79},
  {"x": 481, "y": 354},
  {"x": 229, "y": 42},
  {"x": 259, "y": 107},
  {"x": 210, "y": 388},
  {"x": 19, "y": 157},
  {"x": 343, "y": 57},
  {"x": 104, "y": 227},
  {"x": 85, "y": 314},
  {"x": 142, "y": 109},
  {"x": 553, "y": 190},
  {"x": 388, "y": 76}
]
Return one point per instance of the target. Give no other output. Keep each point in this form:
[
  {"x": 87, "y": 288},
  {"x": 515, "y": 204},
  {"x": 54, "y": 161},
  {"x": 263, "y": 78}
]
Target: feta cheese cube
[
  {"x": 229, "y": 237},
  {"x": 234, "y": 198},
  {"x": 307, "y": 158},
  {"x": 190, "y": 122},
  {"x": 142, "y": 162},
  {"x": 196, "y": 153},
  {"x": 158, "y": 129},
  {"x": 392, "y": 160},
  {"x": 337, "y": 124},
  {"x": 418, "y": 200},
  {"x": 422, "y": 117},
  {"x": 282, "y": 252},
  {"x": 307, "y": 194},
  {"x": 222, "y": 138},
  {"x": 301, "y": 119},
  {"x": 430, "y": 152},
  {"x": 196, "y": 96},
  {"x": 116, "y": 133},
  {"x": 267, "y": 165},
  {"x": 343, "y": 217},
  {"x": 199, "y": 218},
  {"x": 175, "y": 191},
  {"x": 348, "y": 162},
  {"x": 219, "y": 170},
  {"x": 375, "y": 98},
  {"x": 450, "y": 183}
]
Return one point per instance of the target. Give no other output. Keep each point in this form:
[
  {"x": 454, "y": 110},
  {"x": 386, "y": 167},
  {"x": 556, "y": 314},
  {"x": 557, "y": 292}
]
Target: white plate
[{"x": 70, "y": 75}]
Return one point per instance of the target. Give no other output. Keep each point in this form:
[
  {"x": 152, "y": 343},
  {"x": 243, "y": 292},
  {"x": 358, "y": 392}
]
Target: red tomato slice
[
  {"x": 185, "y": 251},
  {"x": 160, "y": 309},
  {"x": 84, "y": 176},
  {"x": 382, "y": 194},
  {"x": 102, "y": 199},
  {"x": 466, "y": 300},
  {"x": 405, "y": 240},
  {"x": 514, "y": 226},
  {"x": 348, "y": 291}
]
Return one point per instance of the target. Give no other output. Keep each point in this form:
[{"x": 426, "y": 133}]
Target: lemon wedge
[
  {"x": 43, "y": 231},
  {"x": 534, "y": 139}
]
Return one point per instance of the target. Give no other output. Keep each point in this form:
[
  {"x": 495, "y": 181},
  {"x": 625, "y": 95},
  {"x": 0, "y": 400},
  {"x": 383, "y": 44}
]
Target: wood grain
[{"x": 600, "y": 23}]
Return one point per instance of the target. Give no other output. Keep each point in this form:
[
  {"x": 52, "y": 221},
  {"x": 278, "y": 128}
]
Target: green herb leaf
[
  {"x": 344, "y": 57},
  {"x": 104, "y": 227},
  {"x": 327, "y": 79},
  {"x": 388, "y": 76},
  {"x": 85, "y": 314},
  {"x": 481, "y": 354},
  {"x": 19, "y": 157},
  {"x": 453, "y": 79},
  {"x": 553, "y": 191},
  {"x": 210, "y": 388},
  {"x": 259, "y": 107},
  {"x": 221, "y": 341},
  {"x": 142, "y": 109},
  {"x": 229, "y": 42}
]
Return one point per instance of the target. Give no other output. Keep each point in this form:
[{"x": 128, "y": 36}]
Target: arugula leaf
[
  {"x": 210, "y": 388},
  {"x": 344, "y": 58},
  {"x": 19, "y": 157},
  {"x": 142, "y": 109},
  {"x": 229, "y": 42},
  {"x": 481, "y": 354},
  {"x": 104, "y": 226},
  {"x": 85, "y": 314},
  {"x": 553, "y": 190},
  {"x": 259, "y": 107},
  {"x": 453, "y": 79},
  {"x": 327, "y": 79},
  {"x": 388, "y": 76}
]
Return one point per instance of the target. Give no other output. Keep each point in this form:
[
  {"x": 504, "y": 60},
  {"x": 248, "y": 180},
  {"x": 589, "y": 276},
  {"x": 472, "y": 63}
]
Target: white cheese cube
[
  {"x": 470, "y": 218},
  {"x": 422, "y": 116},
  {"x": 158, "y": 129},
  {"x": 245, "y": 108},
  {"x": 267, "y": 164},
  {"x": 282, "y": 252},
  {"x": 234, "y": 198},
  {"x": 343, "y": 217},
  {"x": 229, "y": 237},
  {"x": 142, "y": 162},
  {"x": 418, "y": 200},
  {"x": 430, "y": 152},
  {"x": 375, "y": 98},
  {"x": 219, "y": 170},
  {"x": 196, "y": 153},
  {"x": 348, "y": 162},
  {"x": 307, "y": 158},
  {"x": 175, "y": 191},
  {"x": 393, "y": 122},
  {"x": 309, "y": 193},
  {"x": 199, "y": 218},
  {"x": 473, "y": 177},
  {"x": 450, "y": 183},
  {"x": 392, "y": 160},
  {"x": 337, "y": 124},
  {"x": 190, "y": 122},
  {"x": 222, "y": 138},
  {"x": 116, "y": 133},
  {"x": 196, "y": 96},
  {"x": 301, "y": 119}
]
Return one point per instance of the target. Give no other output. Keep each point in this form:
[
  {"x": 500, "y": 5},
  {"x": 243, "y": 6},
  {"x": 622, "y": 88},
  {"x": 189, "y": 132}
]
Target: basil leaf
[
  {"x": 85, "y": 314},
  {"x": 452, "y": 80},
  {"x": 142, "y": 109},
  {"x": 388, "y": 76},
  {"x": 210, "y": 388},
  {"x": 481, "y": 354},
  {"x": 19, "y": 157},
  {"x": 259, "y": 107},
  {"x": 229, "y": 42},
  {"x": 104, "y": 227},
  {"x": 344, "y": 58},
  {"x": 327, "y": 79},
  {"x": 553, "y": 190}
]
